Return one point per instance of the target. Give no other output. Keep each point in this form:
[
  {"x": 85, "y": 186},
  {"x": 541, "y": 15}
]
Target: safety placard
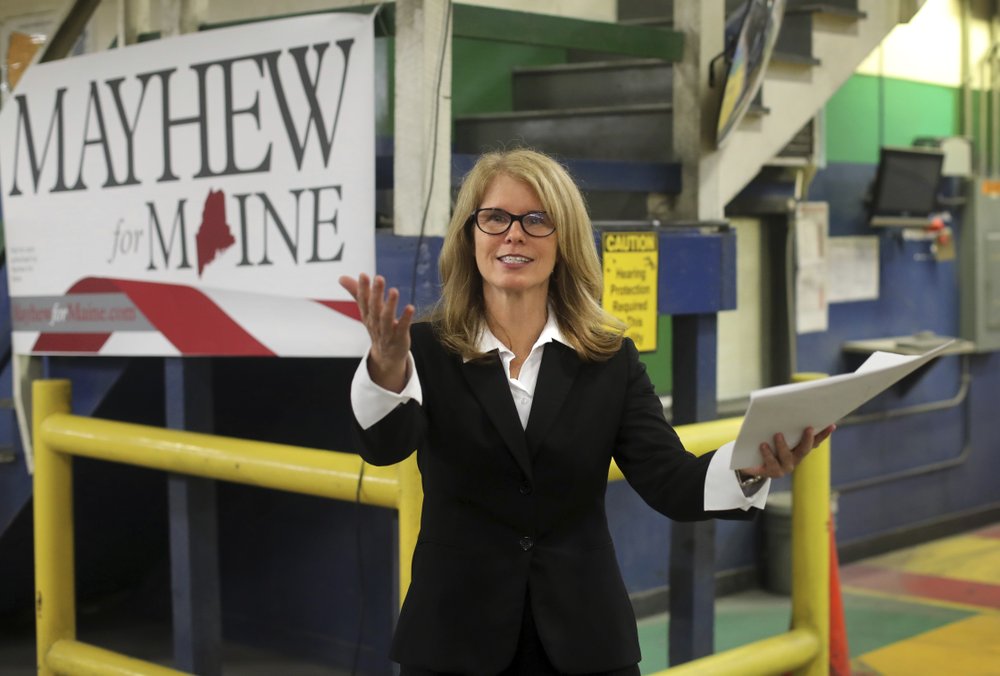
[{"x": 631, "y": 263}]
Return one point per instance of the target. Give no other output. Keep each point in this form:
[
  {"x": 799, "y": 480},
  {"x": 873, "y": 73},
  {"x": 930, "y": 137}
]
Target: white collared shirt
[
  {"x": 522, "y": 388},
  {"x": 371, "y": 403}
]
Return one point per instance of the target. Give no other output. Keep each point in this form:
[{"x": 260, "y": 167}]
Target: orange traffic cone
[{"x": 840, "y": 656}]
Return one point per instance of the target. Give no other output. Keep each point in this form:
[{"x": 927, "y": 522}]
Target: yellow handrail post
[
  {"x": 811, "y": 549},
  {"x": 411, "y": 498},
  {"x": 55, "y": 586}
]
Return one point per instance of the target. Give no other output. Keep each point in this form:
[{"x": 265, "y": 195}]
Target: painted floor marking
[
  {"x": 929, "y": 586},
  {"x": 968, "y": 647},
  {"x": 967, "y": 558}
]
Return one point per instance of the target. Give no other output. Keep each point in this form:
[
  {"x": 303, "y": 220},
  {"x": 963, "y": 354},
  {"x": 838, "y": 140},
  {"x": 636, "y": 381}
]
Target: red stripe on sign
[
  {"x": 344, "y": 307},
  {"x": 891, "y": 581},
  {"x": 95, "y": 285},
  {"x": 78, "y": 342},
  {"x": 191, "y": 321},
  {"x": 183, "y": 315},
  {"x": 70, "y": 342}
]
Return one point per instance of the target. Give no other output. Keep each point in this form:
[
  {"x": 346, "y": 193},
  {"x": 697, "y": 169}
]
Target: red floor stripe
[
  {"x": 990, "y": 532},
  {"x": 926, "y": 586}
]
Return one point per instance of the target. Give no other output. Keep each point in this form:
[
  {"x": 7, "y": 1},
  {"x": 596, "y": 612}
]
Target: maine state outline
[{"x": 214, "y": 235}]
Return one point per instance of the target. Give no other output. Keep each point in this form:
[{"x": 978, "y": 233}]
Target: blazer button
[
  {"x": 525, "y": 489},
  {"x": 527, "y": 543}
]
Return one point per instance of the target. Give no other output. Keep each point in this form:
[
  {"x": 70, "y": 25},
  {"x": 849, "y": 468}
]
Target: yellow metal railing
[
  {"x": 805, "y": 649},
  {"x": 58, "y": 436}
]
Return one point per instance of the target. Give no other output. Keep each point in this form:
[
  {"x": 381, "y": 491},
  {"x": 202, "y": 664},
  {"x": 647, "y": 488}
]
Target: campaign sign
[{"x": 197, "y": 195}]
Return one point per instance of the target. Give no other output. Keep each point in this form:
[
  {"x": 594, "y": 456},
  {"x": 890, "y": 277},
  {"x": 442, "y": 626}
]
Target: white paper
[
  {"x": 852, "y": 270},
  {"x": 790, "y": 409},
  {"x": 811, "y": 225},
  {"x": 811, "y": 313}
]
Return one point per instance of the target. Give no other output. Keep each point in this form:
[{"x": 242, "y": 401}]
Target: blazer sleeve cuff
[
  {"x": 723, "y": 490},
  {"x": 371, "y": 403}
]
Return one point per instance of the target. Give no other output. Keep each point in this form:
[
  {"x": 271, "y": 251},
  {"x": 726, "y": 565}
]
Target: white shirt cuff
[
  {"x": 722, "y": 488},
  {"x": 371, "y": 403}
]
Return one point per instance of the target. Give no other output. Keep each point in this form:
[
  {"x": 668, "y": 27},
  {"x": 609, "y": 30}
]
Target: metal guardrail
[{"x": 59, "y": 436}]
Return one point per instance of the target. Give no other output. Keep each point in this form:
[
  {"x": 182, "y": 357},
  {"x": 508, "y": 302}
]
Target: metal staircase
[{"x": 620, "y": 109}]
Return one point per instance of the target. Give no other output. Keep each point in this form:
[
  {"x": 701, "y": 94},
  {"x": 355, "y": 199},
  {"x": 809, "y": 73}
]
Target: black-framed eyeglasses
[{"x": 494, "y": 221}]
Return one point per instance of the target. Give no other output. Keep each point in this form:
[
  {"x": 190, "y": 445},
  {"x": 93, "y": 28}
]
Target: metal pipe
[
  {"x": 82, "y": 659},
  {"x": 701, "y": 437},
  {"x": 966, "y": 11},
  {"x": 411, "y": 499},
  {"x": 121, "y": 22},
  {"x": 929, "y": 468},
  {"x": 71, "y": 25},
  {"x": 983, "y": 139},
  {"x": 774, "y": 655},
  {"x": 939, "y": 405},
  {"x": 994, "y": 104},
  {"x": 317, "y": 472},
  {"x": 698, "y": 438},
  {"x": 55, "y": 584},
  {"x": 806, "y": 648},
  {"x": 811, "y": 526}
]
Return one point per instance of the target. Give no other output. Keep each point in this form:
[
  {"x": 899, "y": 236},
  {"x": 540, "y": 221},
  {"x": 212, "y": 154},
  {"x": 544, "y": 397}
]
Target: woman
[{"x": 516, "y": 395}]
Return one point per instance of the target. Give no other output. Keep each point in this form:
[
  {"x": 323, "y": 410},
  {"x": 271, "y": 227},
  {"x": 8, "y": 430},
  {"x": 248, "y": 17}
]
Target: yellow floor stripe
[
  {"x": 959, "y": 558},
  {"x": 968, "y": 647}
]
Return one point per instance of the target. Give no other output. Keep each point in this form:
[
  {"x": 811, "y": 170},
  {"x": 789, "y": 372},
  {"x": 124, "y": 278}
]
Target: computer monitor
[{"x": 905, "y": 191}]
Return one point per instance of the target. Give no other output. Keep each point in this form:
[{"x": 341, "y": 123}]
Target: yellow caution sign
[{"x": 631, "y": 264}]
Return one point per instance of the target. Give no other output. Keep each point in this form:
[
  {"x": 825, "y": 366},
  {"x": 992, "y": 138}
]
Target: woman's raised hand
[{"x": 390, "y": 335}]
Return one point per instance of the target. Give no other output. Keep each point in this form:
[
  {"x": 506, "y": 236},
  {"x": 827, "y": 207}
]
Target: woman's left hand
[{"x": 780, "y": 460}]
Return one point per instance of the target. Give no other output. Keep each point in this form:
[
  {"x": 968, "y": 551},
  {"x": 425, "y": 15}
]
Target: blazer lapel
[
  {"x": 555, "y": 379},
  {"x": 493, "y": 391}
]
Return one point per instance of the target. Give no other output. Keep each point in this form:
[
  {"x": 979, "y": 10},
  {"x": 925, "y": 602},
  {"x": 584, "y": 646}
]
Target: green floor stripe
[{"x": 872, "y": 623}]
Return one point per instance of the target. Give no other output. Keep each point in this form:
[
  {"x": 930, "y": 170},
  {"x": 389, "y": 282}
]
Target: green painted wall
[
  {"x": 481, "y": 73},
  {"x": 658, "y": 363},
  {"x": 481, "y": 76},
  {"x": 907, "y": 110}
]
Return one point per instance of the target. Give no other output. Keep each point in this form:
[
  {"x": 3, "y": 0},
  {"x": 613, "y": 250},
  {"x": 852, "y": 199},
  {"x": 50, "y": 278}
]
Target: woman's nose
[{"x": 516, "y": 230}]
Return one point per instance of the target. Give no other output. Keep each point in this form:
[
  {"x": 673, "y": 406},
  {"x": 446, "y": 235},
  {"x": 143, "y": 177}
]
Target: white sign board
[{"x": 197, "y": 195}]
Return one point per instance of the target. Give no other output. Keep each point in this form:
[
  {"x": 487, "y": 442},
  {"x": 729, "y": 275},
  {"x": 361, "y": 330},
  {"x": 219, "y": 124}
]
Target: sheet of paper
[
  {"x": 790, "y": 409},
  {"x": 811, "y": 225},
  {"x": 852, "y": 268}
]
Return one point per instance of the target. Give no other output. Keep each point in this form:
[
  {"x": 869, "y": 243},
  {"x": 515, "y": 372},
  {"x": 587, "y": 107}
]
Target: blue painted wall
[{"x": 917, "y": 293}]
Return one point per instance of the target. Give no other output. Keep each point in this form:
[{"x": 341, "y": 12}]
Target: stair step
[
  {"x": 614, "y": 190},
  {"x": 794, "y": 59},
  {"x": 795, "y": 36},
  {"x": 616, "y": 206},
  {"x": 592, "y": 84},
  {"x": 842, "y": 10},
  {"x": 801, "y": 146},
  {"x": 757, "y": 109},
  {"x": 653, "y": 21},
  {"x": 639, "y": 132},
  {"x": 641, "y": 9}
]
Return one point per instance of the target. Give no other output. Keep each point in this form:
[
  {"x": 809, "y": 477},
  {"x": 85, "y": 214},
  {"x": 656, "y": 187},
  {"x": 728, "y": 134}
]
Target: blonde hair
[{"x": 576, "y": 284}]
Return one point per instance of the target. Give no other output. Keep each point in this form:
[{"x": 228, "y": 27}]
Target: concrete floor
[{"x": 931, "y": 609}]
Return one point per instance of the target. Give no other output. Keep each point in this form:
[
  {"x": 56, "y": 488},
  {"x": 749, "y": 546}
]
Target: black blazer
[{"x": 507, "y": 510}]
